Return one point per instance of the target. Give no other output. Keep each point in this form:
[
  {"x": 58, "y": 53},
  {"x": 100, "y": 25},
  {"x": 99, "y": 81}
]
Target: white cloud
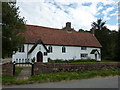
[
  {"x": 109, "y": 9},
  {"x": 52, "y": 13},
  {"x": 114, "y": 14},
  {"x": 112, "y": 27},
  {"x": 107, "y": 13},
  {"x": 100, "y": 8}
]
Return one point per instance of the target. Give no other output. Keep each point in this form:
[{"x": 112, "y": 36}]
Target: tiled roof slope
[{"x": 59, "y": 37}]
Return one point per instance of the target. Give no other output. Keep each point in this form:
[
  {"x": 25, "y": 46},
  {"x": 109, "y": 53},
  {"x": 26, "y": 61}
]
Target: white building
[{"x": 43, "y": 43}]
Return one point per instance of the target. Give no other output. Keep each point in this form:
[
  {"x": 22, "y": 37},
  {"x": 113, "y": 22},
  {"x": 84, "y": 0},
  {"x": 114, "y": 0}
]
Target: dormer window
[
  {"x": 63, "y": 49},
  {"x": 50, "y": 49}
]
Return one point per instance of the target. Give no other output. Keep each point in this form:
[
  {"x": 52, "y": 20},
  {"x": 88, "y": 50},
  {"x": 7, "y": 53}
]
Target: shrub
[{"x": 70, "y": 61}]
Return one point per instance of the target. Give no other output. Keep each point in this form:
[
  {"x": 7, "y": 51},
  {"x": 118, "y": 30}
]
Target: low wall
[
  {"x": 7, "y": 69},
  {"x": 40, "y": 68}
]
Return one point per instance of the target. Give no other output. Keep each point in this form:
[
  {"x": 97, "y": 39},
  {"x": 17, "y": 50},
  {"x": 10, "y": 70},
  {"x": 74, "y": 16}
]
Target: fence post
[
  {"x": 32, "y": 73},
  {"x": 14, "y": 68}
]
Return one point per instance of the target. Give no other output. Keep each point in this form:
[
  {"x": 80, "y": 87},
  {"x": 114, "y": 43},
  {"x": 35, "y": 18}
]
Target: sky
[{"x": 81, "y": 13}]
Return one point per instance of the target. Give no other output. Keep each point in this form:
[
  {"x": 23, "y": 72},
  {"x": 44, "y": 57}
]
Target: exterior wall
[
  {"x": 72, "y": 52},
  {"x": 20, "y": 56},
  {"x": 36, "y": 50}
]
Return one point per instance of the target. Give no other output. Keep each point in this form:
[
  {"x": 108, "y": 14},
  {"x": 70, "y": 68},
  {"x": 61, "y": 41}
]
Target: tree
[
  {"x": 99, "y": 25},
  {"x": 102, "y": 34},
  {"x": 108, "y": 39},
  {"x": 12, "y": 25},
  {"x": 118, "y": 46},
  {"x": 81, "y": 30}
]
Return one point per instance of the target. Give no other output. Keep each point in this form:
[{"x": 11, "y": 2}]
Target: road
[{"x": 98, "y": 82}]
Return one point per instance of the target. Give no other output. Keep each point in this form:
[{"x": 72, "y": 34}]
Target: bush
[{"x": 70, "y": 61}]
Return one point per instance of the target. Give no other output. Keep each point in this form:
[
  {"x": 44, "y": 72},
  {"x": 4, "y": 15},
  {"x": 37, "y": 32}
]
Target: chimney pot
[{"x": 68, "y": 26}]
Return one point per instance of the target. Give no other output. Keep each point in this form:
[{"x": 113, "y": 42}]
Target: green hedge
[{"x": 70, "y": 61}]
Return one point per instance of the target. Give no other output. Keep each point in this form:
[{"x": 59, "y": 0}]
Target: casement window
[
  {"x": 63, "y": 49},
  {"x": 50, "y": 49},
  {"x": 84, "y": 55},
  {"x": 16, "y": 60},
  {"x": 21, "y": 49},
  {"x": 45, "y": 53},
  {"x": 83, "y": 48}
]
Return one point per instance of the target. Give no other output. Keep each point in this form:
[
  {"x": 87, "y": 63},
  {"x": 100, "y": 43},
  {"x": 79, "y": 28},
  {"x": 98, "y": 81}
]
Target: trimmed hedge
[{"x": 70, "y": 61}]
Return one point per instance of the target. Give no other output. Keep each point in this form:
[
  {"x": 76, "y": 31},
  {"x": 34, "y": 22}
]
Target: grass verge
[
  {"x": 53, "y": 77},
  {"x": 72, "y": 76},
  {"x": 12, "y": 79}
]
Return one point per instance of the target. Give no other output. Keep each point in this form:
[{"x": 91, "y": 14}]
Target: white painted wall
[{"x": 71, "y": 52}]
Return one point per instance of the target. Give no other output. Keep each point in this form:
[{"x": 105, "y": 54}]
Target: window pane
[
  {"x": 84, "y": 55},
  {"x": 83, "y": 48},
  {"x": 63, "y": 49},
  {"x": 23, "y": 49},
  {"x": 45, "y": 53},
  {"x": 50, "y": 49}
]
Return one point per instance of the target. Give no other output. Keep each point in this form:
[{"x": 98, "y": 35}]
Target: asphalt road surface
[{"x": 99, "y": 82}]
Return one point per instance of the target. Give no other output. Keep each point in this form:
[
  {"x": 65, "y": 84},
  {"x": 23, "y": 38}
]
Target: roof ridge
[
  {"x": 55, "y": 28},
  {"x": 44, "y": 27}
]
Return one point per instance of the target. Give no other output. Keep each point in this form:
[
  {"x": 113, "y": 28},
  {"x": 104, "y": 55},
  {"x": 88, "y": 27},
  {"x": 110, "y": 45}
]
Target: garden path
[{"x": 25, "y": 73}]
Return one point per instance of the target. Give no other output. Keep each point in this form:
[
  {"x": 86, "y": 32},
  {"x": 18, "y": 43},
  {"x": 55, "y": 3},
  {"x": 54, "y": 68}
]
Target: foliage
[
  {"x": 70, "y": 61},
  {"x": 12, "y": 25},
  {"x": 12, "y": 79},
  {"x": 107, "y": 38},
  {"x": 98, "y": 25},
  {"x": 53, "y": 77},
  {"x": 18, "y": 70},
  {"x": 59, "y": 76},
  {"x": 82, "y": 30},
  {"x": 118, "y": 46}
]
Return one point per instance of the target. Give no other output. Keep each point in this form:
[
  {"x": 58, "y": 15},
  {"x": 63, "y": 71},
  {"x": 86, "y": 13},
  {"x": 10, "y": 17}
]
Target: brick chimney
[
  {"x": 93, "y": 31},
  {"x": 68, "y": 26}
]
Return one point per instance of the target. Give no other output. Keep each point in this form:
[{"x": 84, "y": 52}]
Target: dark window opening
[
  {"x": 84, "y": 55},
  {"x": 83, "y": 48},
  {"x": 63, "y": 49},
  {"x": 45, "y": 53},
  {"x": 21, "y": 49},
  {"x": 50, "y": 49}
]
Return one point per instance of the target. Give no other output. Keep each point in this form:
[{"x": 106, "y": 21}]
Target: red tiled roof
[{"x": 59, "y": 37}]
